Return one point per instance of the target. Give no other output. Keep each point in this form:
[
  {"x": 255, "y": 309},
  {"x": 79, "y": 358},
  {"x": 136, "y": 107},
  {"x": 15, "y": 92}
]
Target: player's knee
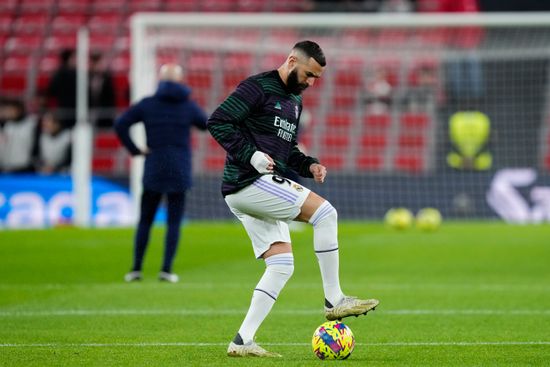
[
  {"x": 325, "y": 214},
  {"x": 282, "y": 264}
]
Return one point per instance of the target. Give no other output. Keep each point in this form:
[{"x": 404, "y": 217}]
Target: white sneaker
[
  {"x": 250, "y": 349},
  {"x": 350, "y": 306},
  {"x": 132, "y": 276},
  {"x": 168, "y": 277}
]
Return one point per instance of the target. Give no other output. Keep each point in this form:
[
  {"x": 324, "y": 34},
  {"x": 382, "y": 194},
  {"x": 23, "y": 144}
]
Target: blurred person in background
[
  {"x": 167, "y": 116},
  {"x": 61, "y": 91},
  {"x": 101, "y": 92},
  {"x": 54, "y": 146},
  {"x": 18, "y": 132}
]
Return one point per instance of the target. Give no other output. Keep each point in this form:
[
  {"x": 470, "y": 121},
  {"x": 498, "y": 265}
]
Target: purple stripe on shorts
[
  {"x": 277, "y": 187},
  {"x": 276, "y": 191}
]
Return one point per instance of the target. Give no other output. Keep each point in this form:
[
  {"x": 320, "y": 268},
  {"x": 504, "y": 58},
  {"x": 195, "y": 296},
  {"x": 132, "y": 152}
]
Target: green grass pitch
[{"x": 470, "y": 294}]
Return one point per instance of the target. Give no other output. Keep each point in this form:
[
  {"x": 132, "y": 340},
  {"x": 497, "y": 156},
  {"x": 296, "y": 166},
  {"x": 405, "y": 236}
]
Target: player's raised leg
[{"x": 324, "y": 218}]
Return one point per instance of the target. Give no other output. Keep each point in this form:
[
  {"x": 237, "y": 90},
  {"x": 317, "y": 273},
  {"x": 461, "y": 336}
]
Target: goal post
[{"x": 412, "y": 111}]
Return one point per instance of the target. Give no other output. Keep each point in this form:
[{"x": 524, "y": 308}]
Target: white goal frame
[{"x": 143, "y": 75}]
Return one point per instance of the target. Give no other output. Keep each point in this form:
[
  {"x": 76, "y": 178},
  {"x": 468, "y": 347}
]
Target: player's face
[{"x": 303, "y": 75}]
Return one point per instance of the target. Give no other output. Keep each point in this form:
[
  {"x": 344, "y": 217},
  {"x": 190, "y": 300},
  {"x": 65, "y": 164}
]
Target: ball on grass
[
  {"x": 428, "y": 219},
  {"x": 399, "y": 218}
]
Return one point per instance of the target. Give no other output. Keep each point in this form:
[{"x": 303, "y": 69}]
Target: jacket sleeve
[
  {"x": 225, "y": 122},
  {"x": 199, "y": 116},
  {"x": 122, "y": 127}
]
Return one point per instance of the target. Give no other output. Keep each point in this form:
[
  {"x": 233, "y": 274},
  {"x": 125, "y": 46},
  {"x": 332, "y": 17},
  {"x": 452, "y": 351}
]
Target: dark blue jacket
[{"x": 167, "y": 116}]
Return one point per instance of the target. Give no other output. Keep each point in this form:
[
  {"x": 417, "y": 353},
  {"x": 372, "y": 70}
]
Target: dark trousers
[{"x": 150, "y": 201}]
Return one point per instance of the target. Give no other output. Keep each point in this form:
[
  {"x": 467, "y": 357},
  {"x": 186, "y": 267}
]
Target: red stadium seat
[
  {"x": 48, "y": 63},
  {"x": 547, "y": 161},
  {"x": 120, "y": 64},
  {"x": 108, "y": 6},
  {"x": 373, "y": 143},
  {"x": 345, "y": 98},
  {"x": 14, "y": 74},
  {"x": 336, "y": 142},
  {"x": 103, "y": 164},
  {"x": 67, "y": 24},
  {"x": 122, "y": 89},
  {"x": 144, "y": 5},
  {"x": 414, "y": 120},
  {"x": 312, "y": 98},
  {"x": 37, "y": 6},
  {"x": 392, "y": 37},
  {"x": 289, "y": 6},
  {"x": 181, "y": 5},
  {"x": 377, "y": 121},
  {"x": 412, "y": 141},
  {"x": 217, "y": 5},
  {"x": 6, "y": 22},
  {"x": 409, "y": 163},
  {"x": 56, "y": 43},
  {"x": 341, "y": 119},
  {"x": 214, "y": 159},
  {"x": 105, "y": 24},
  {"x": 27, "y": 24},
  {"x": 103, "y": 42},
  {"x": 17, "y": 63},
  {"x": 236, "y": 68},
  {"x": 252, "y": 5},
  {"x": 214, "y": 163},
  {"x": 348, "y": 81},
  {"x": 370, "y": 162},
  {"x": 73, "y": 6},
  {"x": 23, "y": 44},
  {"x": 332, "y": 161},
  {"x": 107, "y": 141},
  {"x": 8, "y": 7}
]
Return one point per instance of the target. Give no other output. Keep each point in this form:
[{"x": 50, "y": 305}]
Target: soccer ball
[
  {"x": 399, "y": 218},
  {"x": 428, "y": 219},
  {"x": 333, "y": 340}
]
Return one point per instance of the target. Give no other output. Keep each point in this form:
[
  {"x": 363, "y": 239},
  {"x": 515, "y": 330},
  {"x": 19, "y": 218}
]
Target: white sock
[
  {"x": 278, "y": 270},
  {"x": 325, "y": 243}
]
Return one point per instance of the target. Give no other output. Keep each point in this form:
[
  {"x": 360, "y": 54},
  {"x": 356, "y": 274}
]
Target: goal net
[{"x": 412, "y": 111}]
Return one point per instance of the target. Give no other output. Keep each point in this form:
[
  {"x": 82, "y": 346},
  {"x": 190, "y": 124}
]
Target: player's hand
[
  {"x": 318, "y": 171},
  {"x": 262, "y": 162}
]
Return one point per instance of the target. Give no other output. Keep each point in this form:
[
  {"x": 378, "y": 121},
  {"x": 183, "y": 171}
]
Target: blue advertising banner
[{"x": 30, "y": 201}]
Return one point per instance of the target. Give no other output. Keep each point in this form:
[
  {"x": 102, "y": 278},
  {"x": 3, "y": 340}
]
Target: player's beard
[{"x": 293, "y": 85}]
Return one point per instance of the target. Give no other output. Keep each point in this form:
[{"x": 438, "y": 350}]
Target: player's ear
[{"x": 291, "y": 61}]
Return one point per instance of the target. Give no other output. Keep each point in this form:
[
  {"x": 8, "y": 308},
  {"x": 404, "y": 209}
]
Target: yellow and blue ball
[{"x": 333, "y": 340}]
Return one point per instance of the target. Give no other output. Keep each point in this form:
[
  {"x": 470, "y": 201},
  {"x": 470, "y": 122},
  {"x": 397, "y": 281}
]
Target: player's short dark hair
[{"x": 312, "y": 49}]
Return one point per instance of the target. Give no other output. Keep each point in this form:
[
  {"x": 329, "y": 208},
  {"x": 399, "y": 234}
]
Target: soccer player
[
  {"x": 257, "y": 126},
  {"x": 168, "y": 116}
]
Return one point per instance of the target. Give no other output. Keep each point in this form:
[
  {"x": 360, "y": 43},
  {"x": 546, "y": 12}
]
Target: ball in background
[
  {"x": 399, "y": 218},
  {"x": 428, "y": 219},
  {"x": 333, "y": 340}
]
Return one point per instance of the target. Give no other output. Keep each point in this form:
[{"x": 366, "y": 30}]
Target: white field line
[
  {"x": 213, "y": 312},
  {"x": 292, "y": 285},
  {"x": 183, "y": 344}
]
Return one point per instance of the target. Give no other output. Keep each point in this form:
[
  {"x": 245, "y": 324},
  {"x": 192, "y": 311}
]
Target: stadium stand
[{"x": 347, "y": 136}]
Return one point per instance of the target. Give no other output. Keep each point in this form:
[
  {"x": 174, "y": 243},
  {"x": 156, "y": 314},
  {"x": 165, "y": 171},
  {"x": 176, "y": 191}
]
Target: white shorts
[{"x": 265, "y": 207}]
